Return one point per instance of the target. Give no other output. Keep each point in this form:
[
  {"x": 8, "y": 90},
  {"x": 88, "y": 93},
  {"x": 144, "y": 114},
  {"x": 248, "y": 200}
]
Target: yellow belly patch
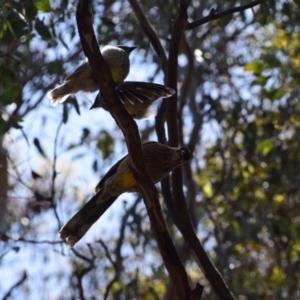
[
  {"x": 117, "y": 76},
  {"x": 127, "y": 181}
]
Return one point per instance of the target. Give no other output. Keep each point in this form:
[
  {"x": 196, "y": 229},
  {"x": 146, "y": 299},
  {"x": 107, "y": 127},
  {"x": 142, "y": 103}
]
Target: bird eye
[{"x": 185, "y": 153}]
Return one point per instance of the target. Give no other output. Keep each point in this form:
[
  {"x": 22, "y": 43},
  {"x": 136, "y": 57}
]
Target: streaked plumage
[
  {"x": 160, "y": 160},
  {"x": 137, "y": 97},
  {"x": 82, "y": 79}
]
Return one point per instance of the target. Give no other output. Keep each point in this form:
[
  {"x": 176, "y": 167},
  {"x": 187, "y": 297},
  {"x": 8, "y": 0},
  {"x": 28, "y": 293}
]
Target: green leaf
[
  {"x": 42, "y": 29},
  {"x": 256, "y": 67},
  {"x": 3, "y": 25},
  {"x": 271, "y": 60},
  {"x": 37, "y": 144},
  {"x": 294, "y": 95},
  {"x": 273, "y": 94},
  {"x": 55, "y": 67},
  {"x": 262, "y": 80},
  {"x": 76, "y": 105},
  {"x": 207, "y": 189},
  {"x": 278, "y": 94},
  {"x": 11, "y": 90},
  {"x": 85, "y": 133},
  {"x": 286, "y": 9},
  {"x": 42, "y": 5},
  {"x": 225, "y": 20},
  {"x": 31, "y": 11},
  {"x": 2, "y": 124},
  {"x": 278, "y": 198},
  {"x": 265, "y": 146},
  {"x": 17, "y": 28},
  {"x": 105, "y": 144},
  {"x": 63, "y": 42},
  {"x": 265, "y": 12},
  {"x": 95, "y": 165},
  {"x": 16, "y": 123},
  {"x": 65, "y": 113}
]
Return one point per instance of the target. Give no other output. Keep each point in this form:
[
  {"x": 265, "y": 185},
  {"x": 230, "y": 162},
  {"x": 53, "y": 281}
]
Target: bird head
[{"x": 183, "y": 155}]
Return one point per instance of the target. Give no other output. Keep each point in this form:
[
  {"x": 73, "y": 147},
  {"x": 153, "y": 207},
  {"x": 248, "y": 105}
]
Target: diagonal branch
[
  {"x": 153, "y": 38},
  {"x": 214, "y": 16},
  {"x": 130, "y": 131},
  {"x": 16, "y": 285}
]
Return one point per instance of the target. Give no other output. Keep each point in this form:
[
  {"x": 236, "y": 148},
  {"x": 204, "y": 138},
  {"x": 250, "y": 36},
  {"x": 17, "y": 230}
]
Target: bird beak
[{"x": 132, "y": 48}]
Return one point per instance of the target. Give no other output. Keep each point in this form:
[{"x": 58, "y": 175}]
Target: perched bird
[
  {"x": 82, "y": 79},
  {"x": 160, "y": 160},
  {"x": 137, "y": 97}
]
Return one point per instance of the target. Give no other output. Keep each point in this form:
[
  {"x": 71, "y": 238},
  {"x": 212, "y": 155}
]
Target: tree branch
[
  {"x": 214, "y": 16},
  {"x": 178, "y": 206},
  {"x": 161, "y": 115},
  {"x": 117, "y": 263},
  {"x": 4, "y": 236},
  {"x": 79, "y": 273},
  {"x": 186, "y": 85},
  {"x": 130, "y": 131},
  {"x": 153, "y": 38},
  {"x": 177, "y": 32},
  {"x": 17, "y": 284}
]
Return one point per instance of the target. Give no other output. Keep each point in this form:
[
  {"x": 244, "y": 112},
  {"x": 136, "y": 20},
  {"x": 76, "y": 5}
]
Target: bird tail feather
[
  {"x": 82, "y": 221},
  {"x": 59, "y": 94}
]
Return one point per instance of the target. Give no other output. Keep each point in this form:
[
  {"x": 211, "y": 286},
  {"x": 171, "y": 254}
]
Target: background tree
[{"x": 238, "y": 101}]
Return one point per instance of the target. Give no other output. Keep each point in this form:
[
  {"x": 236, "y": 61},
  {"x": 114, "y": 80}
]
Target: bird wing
[
  {"x": 110, "y": 173},
  {"x": 135, "y": 92},
  {"x": 141, "y": 90},
  {"x": 82, "y": 67}
]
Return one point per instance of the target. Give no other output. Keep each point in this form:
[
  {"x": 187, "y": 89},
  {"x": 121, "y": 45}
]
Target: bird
[
  {"x": 82, "y": 79},
  {"x": 160, "y": 160},
  {"x": 137, "y": 97}
]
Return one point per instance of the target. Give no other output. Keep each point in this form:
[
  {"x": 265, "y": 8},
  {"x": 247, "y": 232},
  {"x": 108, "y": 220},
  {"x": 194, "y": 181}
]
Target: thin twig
[
  {"x": 54, "y": 172},
  {"x": 80, "y": 273},
  {"x": 30, "y": 241},
  {"x": 214, "y": 16},
  {"x": 17, "y": 284},
  {"x": 84, "y": 258}
]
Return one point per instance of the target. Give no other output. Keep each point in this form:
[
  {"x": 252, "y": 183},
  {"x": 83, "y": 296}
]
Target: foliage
[{"x": 238, "y": 110}]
